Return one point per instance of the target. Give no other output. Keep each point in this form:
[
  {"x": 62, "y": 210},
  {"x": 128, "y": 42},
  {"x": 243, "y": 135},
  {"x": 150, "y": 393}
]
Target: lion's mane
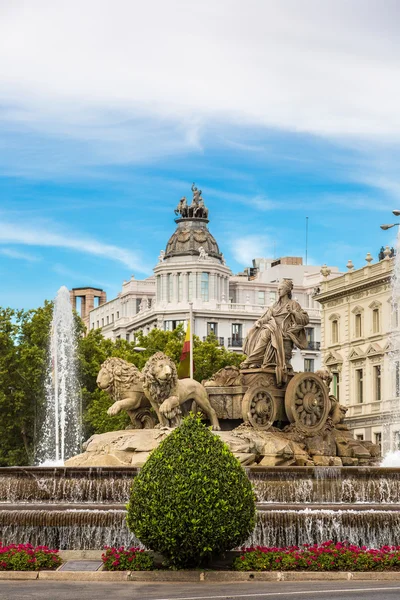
[
  {"x": 159, "y": 390},
  {"x": 123, "y": 375}
]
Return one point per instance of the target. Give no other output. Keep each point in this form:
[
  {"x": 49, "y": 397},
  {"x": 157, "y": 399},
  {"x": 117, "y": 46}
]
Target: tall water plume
[
  {"x": 391, "y": 426},
  {"x": 61, "y": 430}
]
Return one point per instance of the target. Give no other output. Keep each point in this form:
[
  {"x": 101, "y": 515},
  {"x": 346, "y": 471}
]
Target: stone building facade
[
  {"x": 193, "y": 269},
  {"x": 356, "y": 325}
]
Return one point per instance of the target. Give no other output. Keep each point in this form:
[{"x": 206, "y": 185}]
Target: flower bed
[
  {"x": 328, "y": 556},
  {"x": 131, "y": 559},
  {"x": 25, "y": 557}
]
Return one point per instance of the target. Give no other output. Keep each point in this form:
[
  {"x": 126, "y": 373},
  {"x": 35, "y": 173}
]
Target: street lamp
[{"x": 385, "y": 227}]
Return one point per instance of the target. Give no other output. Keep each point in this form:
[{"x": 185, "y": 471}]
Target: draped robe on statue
[{"x": 265, "y": 345}]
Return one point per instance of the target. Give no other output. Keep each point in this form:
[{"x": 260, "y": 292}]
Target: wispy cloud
[
  {"x": 42, "y": 236},
  {"x": 75, "y": 276},
  {"x": 17, "y": 254},
  {"x": 247, "y": 247}
]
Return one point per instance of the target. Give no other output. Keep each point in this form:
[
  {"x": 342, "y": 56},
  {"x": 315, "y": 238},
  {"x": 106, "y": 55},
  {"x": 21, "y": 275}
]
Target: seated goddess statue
[{"x": 269, "y": 343}]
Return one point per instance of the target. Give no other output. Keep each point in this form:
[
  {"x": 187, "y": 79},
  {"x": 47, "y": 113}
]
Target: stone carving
[
  {"x": 123, "y": 382},
  {"x": 270, "y": 341},
  {"x": 144, "y": 304},
  {"x": 203, "y": 254},
  {"x": 182, "y": 208},
  {"x": 167, "y": 393},
  {"x": 225, "y": 377},
  {"x": 338, "y": 411},
  {"x": 161, "y": 256}
]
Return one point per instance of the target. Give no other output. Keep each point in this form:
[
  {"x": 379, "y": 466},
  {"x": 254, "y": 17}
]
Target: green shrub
[
  {"x": 131, "y": 559},
  {"x": 192, "y": 499}
]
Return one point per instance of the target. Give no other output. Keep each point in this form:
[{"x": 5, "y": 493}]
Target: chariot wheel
[
  {"x": 259, "y": 407},
  {"x": 307, "y": 402}
]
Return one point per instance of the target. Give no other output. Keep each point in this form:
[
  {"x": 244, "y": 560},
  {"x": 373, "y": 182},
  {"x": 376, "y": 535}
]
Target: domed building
[{"x": 192, "y": 270}]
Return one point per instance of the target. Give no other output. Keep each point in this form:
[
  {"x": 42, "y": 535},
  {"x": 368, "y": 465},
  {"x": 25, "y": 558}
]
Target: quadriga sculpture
[
  {"x": 123, "y": 382},
  {"x": 167, "y": 393}
]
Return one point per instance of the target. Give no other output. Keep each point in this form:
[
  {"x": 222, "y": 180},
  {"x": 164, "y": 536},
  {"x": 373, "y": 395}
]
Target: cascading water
[
  {"x": 61, "y": 431},
  {"x": 391, "y": 427}
]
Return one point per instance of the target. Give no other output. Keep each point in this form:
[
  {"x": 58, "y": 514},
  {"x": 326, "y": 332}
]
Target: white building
[{"x": 192, "y": 269}]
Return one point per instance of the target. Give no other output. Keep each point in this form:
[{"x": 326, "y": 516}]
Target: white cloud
[
  {"x": 17, "y": 254},
  {"x": 102, "y": 70},
  {"x": 245, "y": 248},
  {"x": 42, "y": 236}
]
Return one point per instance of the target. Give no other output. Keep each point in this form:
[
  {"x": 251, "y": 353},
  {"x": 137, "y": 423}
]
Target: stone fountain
[{"x": 312, "y": 480}]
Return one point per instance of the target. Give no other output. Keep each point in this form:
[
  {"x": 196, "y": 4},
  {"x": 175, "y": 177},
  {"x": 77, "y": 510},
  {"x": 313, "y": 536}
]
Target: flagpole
[{"x": 191, "y": 338}]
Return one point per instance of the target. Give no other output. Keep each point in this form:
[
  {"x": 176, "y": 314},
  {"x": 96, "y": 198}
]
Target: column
[{"x": 198, "y": 286}]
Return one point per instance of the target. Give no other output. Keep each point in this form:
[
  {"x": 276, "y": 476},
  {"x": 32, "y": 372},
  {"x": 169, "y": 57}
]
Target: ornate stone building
[
  {"x": 355, "y": 328},
  {"x": 192, "y": 269}
]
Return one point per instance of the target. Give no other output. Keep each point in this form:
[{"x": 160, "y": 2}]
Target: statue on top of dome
[{"x": 197, "y": 209}]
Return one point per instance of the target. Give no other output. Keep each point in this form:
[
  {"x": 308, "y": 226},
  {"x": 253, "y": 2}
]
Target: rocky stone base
[{"x": 332, "y": 447}]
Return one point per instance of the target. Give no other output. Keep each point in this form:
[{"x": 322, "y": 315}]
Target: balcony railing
[
  {"x": 314, "y": 346},
  {"x": 221, "y": 340},
  {"x": 235, "y": 342}
]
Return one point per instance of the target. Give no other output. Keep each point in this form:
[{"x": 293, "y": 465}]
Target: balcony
[
  {"x": 315, "y": 346},
  {"x": 235, "y": 342},
  {"x": 221, "y": 340}
]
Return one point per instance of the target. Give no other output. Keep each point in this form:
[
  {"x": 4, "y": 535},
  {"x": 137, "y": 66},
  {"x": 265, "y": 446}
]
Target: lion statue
[
  {"x": 123, "y": 382},
  {"x": 170, "y": 396}
]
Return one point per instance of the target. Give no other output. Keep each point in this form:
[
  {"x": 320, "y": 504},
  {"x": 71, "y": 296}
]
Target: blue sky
[{"x": 278, "y": 110}]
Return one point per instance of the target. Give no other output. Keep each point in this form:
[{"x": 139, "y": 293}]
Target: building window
[
  {"x": 138, "y": 301},
  {"x": 309, "y": 365},
  {"x": 261, "y": 298},
  {"x": 272, "y": 297},
  {"x": 359, "y": 437},
  {"x": 98, "y": 324},
  {"x": 108, "y": 320},
  {"x": 204, "y": 286},
  {"x": 172, "y": 325},
  {"x": 358, "y": 325},
  {"x": 127, "y": 337},
  {"x": 378, "y": 438},
  {"x": 336, "y": 385},
  {"x": 93, "y": 325},
  {"x": 359, "y": 386},
  {"x": 375, "y": 320},
  {"x": 117, "y": 314},
  {"x": 310, "y": 335},
  {"x": 335, "y": 331},
  {"x": 112, "y": 318},
  {"x": 190, "y": 287},
  {"x": 397, "y": 378},
  {"x": 377, "y": 383},
  {"x": 102, "y": 322},
  {"x": 212, "y": 328},
  {"x": 236, "y": 332},
  {"x": 180, "y": 287}
]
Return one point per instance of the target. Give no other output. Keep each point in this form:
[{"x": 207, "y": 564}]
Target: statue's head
[{"x": 285, "y": 288}]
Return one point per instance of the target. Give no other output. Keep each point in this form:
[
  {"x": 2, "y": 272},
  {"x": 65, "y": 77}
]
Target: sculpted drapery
[{"x": 270, "y": 341}]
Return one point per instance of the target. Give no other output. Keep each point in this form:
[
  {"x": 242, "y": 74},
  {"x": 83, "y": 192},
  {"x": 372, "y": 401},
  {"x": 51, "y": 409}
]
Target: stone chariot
[{"x": 261, "y": 403}]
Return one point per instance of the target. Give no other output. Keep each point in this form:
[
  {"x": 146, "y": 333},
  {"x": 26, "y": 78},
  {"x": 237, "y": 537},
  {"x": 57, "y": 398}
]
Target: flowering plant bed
[
  {"x": 131, "y": 559},
  {"x": 329, "y": 556},
  {"x": 25, "y": 557}
]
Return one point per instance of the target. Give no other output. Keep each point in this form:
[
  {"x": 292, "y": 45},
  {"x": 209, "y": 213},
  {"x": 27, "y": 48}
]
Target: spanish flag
[{"x": 184, "y": 365}]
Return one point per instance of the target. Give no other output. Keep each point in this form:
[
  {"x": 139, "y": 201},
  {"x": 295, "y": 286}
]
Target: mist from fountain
[{"x": 60, "y": 436}]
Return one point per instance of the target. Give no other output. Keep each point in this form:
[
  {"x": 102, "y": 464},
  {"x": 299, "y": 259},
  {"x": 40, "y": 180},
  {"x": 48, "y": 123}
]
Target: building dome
[{"x": 192, "y": 237}]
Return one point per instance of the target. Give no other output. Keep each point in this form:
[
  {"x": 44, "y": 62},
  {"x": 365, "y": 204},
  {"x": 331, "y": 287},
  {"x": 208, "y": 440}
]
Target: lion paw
[{"x": 113, "y": 410}]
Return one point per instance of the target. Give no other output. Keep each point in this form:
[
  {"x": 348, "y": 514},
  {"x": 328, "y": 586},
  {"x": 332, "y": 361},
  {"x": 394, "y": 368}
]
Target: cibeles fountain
[{"x": 312, "y": 479}]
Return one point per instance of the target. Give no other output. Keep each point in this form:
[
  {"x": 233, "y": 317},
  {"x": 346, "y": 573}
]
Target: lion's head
[
  {"x": 117, "y": 374},
  {"x": 160, "y": 376}
]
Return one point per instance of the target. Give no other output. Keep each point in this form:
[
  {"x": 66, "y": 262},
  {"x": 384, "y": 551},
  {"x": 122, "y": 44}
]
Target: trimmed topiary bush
[{"x": 192, "y": 499}]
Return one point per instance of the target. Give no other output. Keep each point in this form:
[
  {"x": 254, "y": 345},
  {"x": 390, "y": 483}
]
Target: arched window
[
  {"x": 358, "y": 321},
  {"x": 334, "y": 319}
]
